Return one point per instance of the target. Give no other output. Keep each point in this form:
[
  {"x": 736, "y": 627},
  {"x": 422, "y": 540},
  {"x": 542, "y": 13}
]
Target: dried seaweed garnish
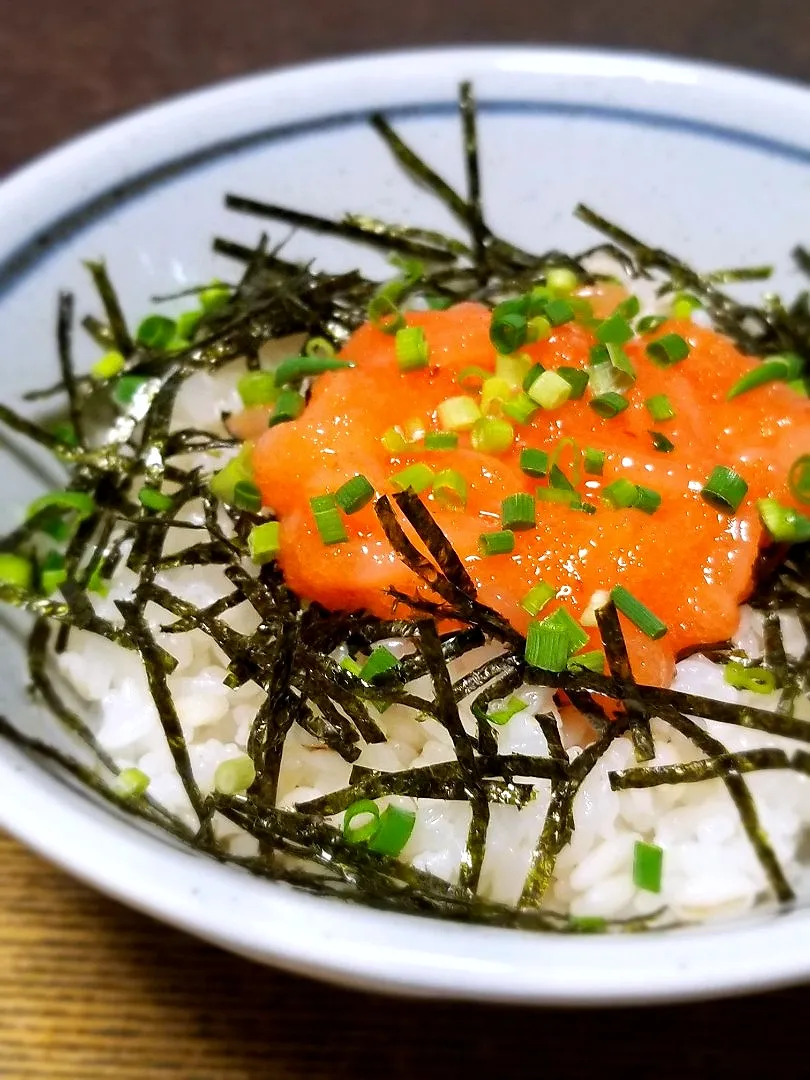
[
  {"x": 290, "y": 656},
  {"x": 742, "y": 799},
  {"x": 607, "y": 619},
  {"x": 692, "y": 772}
]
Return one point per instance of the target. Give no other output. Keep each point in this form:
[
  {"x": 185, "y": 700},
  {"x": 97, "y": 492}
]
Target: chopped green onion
[
  {"x": 594, "y": 461},
  {"x": 152, "y": 499},
  {"x": 615, "y": 330},
  {"x": 96, "y": 582},
  {"x": 234, "y": 775},
  {"x": 611, "y": 368},
  {"x": 508, "y": 330},
  {"x": 15, "y": 570},
  {"x": 319, "y": 503},
  {"x": 330, "y": 526},
  {"x": 513, "y": 368},
  {"x": 177, "y": 344},
  {"x": 52, "y": 573},
  {"x": 551, "y": 642},
  {"x": 725, "y": 489},
  {"x": 247, "y": 496},
  {"x": 264, "y": 542},
  {"x": 78, "y": 502},
  {"x": 450, "y": 488},
  {"x": 775, "y": 369},
  {"x": 757, "y": 679},
  {"x": 470, "y": 376},
  {"x": 620, "y": 361},
  {"x": 354, "y": 494},
  {"x": 302, "y": 367},
  {"x": 534, "y": 303},
  {"x": 603, "y": 377},
  {"x": 538, "y": 328},
  {"x": 587, "y": 924},
  {"x": 562, "y": 280},
  {"x": 108, "y": 366},
  {"x": 418, "y": 477},
  {"x": 532, "y": 375},
  {"x": 411, "y": 348},
  {"x": 393, "y": 831},
  {"x": 684, "y": 304},
  {"x": 537, "y": 597},
  {"x": 491, "y": 435},
  {"x": 458, "y": 413},
  {"x": 223, "y": 483},
  {"x": 384, "y": 315},
  {"x": 660, "y": 408},
  {"x": 349, "y": 664},
  {"x": 502, "y": 716},
  {"x": 799, "y": 479},
  {"x": 438, "y": 303},
  {"x": 521, "y": 408},
  {"x": 608, "y": 405},
  {"x": 588, "y": 661},
  {"x": 621, "y": 494},
  {"x": 127, "y": 387},
  {"x": 564, "y": 496},
  {"x": 187, "y": 324},
  {"x": 289, "y": 406},
  {"x": 667, "y": 350},
  {"x": 786, "y": 525},
  {"x": 518, "y": 511},
  {"x": 558, "y": 479},
  {"x": 646, "y": 499},
  {"x": 441, "y": 440},
  {"x": 649, "y": 323},
  {"x": 494, "y": 391},
  {"x": 497, "y": 543},
  {"x": 559, "y": 311},
  {"x": 648, "y": 861},
  {"x": 214, "y": 296},
  {"x": 638, "y": 614},
  {"x": 534, "y": 462},
  {"x": 257, "y": 388},
  {"x": 629, "y": 308},
  {"x": 155, "y": 332},
  {"x": 576, "y": 378},
  {"x": 380, "y": 660},
  {"x": 550, "y": 390},
  {"x": 661, "y": 442},
  {"x": 132, "y": 783},
  {"x": 393, "y": 440},
  {"x": 319, "y": 346},
  {"x": 361, "y": 821}
]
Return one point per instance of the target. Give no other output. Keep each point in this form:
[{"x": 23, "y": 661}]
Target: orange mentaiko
[{"x": 689, "y": 562}]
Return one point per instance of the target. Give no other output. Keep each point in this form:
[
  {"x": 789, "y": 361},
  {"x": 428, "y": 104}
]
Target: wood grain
[{"x": 89, "y": 989}]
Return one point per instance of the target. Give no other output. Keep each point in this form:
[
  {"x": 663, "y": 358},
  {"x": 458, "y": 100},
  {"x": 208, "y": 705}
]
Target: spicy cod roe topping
[{"x": 640, "y": 517}]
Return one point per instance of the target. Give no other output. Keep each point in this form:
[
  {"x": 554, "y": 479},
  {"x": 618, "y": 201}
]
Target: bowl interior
[{"x": 710, "y": 164}]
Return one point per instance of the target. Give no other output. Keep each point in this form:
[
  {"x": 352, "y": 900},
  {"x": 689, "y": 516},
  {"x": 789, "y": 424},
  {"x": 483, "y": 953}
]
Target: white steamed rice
[{"x": 709, "y": 866}]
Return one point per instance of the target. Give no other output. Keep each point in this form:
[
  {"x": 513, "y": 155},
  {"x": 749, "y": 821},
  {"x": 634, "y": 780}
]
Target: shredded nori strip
[{"x": 291, "y": 656}]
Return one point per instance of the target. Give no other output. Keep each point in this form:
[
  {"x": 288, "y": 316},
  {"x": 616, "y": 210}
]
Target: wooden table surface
[{"x": 89, "y": 989}]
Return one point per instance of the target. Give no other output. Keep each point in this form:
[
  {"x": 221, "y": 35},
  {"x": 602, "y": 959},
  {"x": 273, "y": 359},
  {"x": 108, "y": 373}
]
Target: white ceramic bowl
[{"x": 711, "y": 162}]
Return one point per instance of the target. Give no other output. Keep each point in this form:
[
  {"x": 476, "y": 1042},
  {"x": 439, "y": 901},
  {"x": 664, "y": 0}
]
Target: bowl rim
[{"x": 336, "y": 940}]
